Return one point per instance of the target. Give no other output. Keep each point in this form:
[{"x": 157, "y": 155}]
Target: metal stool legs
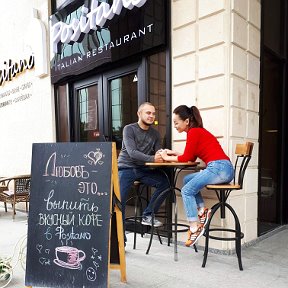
[
  {"x": 237, "y": 231},
  {"x": 138, "y": 198},
  {"x": 175, "y": 230}
]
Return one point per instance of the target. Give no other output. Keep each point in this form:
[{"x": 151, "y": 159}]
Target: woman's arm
[{"x": 172, "y": 152}]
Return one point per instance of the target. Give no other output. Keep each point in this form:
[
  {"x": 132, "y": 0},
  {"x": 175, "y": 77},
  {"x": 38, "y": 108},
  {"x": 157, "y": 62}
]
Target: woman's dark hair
[{"x": 192, "y": 113}]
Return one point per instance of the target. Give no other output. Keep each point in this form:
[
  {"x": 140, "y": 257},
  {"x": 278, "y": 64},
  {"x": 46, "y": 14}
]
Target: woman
[{"x": 201, "y": 144}]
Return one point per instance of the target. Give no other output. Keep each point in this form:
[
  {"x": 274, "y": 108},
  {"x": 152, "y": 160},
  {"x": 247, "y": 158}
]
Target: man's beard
[{"x": 147, "y": 124}]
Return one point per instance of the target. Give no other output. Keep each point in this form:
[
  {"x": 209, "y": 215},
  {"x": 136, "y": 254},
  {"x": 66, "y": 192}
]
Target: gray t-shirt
[{"x": 138, "y": 146}]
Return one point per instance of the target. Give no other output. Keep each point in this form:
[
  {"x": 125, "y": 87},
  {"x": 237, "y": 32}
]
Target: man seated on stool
[{"x": 141, "y": 144}]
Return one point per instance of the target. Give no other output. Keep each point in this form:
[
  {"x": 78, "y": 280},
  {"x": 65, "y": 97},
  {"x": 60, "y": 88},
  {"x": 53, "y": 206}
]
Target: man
[{"x": 141, "y": 144}]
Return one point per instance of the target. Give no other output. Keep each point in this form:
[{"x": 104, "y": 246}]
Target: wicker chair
[{"x": 14, "y": 190}]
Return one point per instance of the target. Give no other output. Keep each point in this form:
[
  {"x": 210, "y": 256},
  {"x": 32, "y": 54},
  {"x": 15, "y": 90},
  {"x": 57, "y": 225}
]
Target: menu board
[{"x": 69, "y": 218}]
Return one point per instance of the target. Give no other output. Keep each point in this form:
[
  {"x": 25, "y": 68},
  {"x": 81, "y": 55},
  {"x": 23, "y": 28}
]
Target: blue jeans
[
  {"x": 154, "y": 178},
  {"x": 216, "y": 172}
]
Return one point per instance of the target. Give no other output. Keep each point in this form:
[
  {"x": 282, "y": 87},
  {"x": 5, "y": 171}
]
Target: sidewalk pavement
[{"x": 265, "y": 262}]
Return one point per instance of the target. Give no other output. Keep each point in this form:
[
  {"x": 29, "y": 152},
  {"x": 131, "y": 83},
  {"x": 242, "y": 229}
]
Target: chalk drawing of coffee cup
[{"x": 69, "y": 257}]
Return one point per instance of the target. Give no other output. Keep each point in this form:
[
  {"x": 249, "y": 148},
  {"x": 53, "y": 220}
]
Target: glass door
[
  {"x": 104, "y": 104},
  {"x": 272, "y": 133},
  {"x": 123, "y": 92},
  {"x": 269, "y": 203},
  {"x": 88, "y": 113},
  {"x": 123, "y": 95}
]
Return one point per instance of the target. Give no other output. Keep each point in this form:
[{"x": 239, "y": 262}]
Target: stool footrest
[
  {"x": 224, "y": 238},
  {"x": 187, "y": 227},
  {"x": 133, "y": 217}
]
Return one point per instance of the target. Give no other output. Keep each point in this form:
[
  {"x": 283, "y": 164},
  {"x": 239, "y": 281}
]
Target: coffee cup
[{"x": 69, "y": 256}]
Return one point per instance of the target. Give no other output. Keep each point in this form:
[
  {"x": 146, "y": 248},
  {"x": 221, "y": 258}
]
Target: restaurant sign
[
  {"x": 87, "y": 36},
  {"x": 13, "y": 68}
]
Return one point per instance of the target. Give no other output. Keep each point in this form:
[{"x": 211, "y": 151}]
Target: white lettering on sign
[
  {"x": 98, "y": 15},
  {"x": 122, "y": 40}
]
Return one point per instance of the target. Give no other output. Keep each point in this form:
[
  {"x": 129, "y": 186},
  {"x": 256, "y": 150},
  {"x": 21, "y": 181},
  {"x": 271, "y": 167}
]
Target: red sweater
[{"x": 201, "y": 143}]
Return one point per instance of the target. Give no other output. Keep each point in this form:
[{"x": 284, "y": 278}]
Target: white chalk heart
[
  {"x": 39, "y": 248},
  {"x": 95, "y": 156}
]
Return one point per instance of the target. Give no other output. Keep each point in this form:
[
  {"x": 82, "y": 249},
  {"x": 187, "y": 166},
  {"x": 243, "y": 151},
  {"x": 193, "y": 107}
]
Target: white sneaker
[{"x": 147, "y": 220}]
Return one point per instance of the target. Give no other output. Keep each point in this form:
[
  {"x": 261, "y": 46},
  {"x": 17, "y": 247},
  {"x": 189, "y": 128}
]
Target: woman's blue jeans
[{"x": 216, "y": 172}]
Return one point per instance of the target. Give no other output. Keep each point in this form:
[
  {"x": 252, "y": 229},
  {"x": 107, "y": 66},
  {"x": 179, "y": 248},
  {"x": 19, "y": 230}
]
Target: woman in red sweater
[{"x": 201, "y": 144}]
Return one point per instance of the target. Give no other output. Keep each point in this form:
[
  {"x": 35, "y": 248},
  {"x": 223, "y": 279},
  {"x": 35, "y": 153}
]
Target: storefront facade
[
  {"x": 101, "y": 78},
  {"x": 103, "y": 65}
]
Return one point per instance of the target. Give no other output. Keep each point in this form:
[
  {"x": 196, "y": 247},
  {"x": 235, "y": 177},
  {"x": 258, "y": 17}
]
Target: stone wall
[{"x": 216, "y": 66}]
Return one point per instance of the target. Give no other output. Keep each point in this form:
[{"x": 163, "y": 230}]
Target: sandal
[{"x": 194, "y": 237}]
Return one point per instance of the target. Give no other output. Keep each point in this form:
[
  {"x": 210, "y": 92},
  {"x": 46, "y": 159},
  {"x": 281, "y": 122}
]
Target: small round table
[{"x": 176, "y": 167}]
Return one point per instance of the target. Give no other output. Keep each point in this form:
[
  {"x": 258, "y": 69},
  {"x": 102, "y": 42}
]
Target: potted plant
[{"x": 5, "y": 272}]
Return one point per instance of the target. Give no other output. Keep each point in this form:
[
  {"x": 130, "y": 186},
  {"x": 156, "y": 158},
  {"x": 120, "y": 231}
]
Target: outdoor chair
[
  {"x": 243, "y": 152},
  {"x": 14, "y": 190},
  {"x": 3, "y": 185}
]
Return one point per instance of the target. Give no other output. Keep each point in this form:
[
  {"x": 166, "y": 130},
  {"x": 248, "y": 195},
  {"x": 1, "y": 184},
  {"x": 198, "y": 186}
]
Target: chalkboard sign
[{"x": 70, "y": 215}]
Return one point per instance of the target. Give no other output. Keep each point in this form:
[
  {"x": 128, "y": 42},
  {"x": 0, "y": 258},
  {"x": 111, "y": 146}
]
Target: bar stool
[
  {"x": 243, "y": 152},
  {"x": 138, "y": 206},
  {"x": 136, "y": 219}
]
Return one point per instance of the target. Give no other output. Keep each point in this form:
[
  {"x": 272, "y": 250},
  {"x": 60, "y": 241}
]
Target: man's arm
[
  {"x": 131, "y": 147},
  {"x": 158, "y": 157}
]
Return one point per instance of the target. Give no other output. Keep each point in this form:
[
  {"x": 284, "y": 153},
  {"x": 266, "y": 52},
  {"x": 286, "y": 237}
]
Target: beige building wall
[
  {"x": 216, "y": 66},
  {"x": 29, "y": 117}
]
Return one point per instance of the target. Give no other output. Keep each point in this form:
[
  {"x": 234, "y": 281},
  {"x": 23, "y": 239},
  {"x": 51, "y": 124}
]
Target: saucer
[{"x": 67, "y": 265}]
